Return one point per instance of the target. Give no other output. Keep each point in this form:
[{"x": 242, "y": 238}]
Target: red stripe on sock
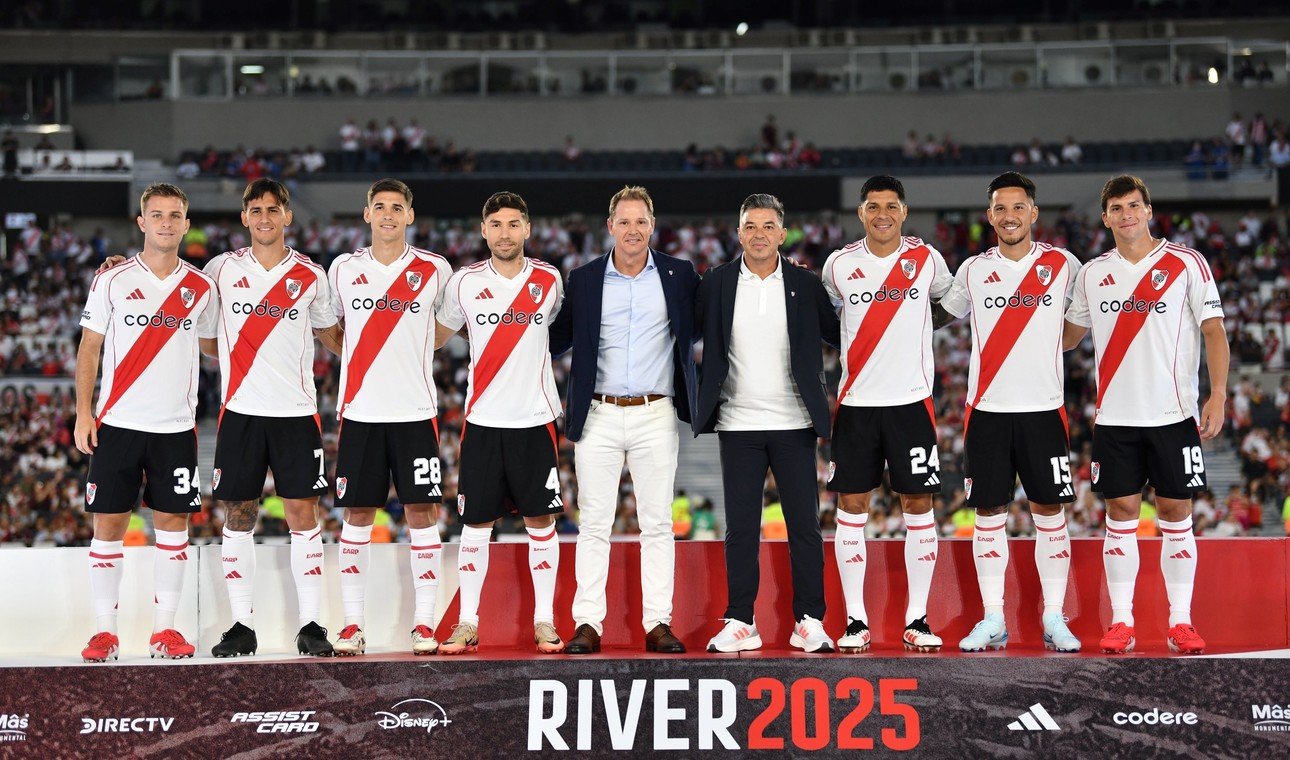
[
  {"x": 1180, "y": 530},
  {"x": 426, "y": 548},
  {"x": 840, "y": 521},
  {"x": 356, "y": 543},
  {"x": 978, "y": 526},
  {"x": 174, "y": 548},
  {"x": 1121, "y": 532},
  {"x": 919, "y": 527},
  {"x": 547, "y": 537},
  {"x": 106, "y": 556},
  {"x": 1053, "y": 530}
]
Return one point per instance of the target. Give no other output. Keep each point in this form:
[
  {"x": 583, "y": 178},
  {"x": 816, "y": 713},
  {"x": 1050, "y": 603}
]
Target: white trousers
[{"x": 646, "y": 437}]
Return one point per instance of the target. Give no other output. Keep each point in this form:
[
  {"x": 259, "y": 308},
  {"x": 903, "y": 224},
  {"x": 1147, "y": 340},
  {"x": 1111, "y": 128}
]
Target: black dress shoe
[
  {"x": 312, "y": 640},
  {"x": 235, "y": 642},
  {"x": 585, "y": 641},
  {"x": 661, "y": 639}
]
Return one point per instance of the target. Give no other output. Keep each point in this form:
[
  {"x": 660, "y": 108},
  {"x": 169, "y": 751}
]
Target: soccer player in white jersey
[
  {"x": 146, "y": 317},
  {"x": 387, "y": 295},
  {"x": 883, "y": 286},
  {"x": 508, "y": 440},
  {"x": 1150, "y": 305},
  {"x": 1015, "y": 422},
  {"x": 273, "y": 302}
]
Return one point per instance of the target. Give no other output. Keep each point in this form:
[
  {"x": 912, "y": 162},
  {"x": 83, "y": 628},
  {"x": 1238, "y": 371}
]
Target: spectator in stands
[
  {"x": 1258, "y": 139},
  {"x": 9, "y": 146},
  {"x": 1279, "y": 151},
  {"x": 1072, "y": 153},
  {"x": 1264, "y": 74},
  {"x": 188, "y": 167},
  {"x": 1219, "y": 164},
  {"x": 1020, "y": 157},
  {"x": 810, "y": 157},
  {"x": 572, "y": 153},
  {"x": 312, "y": 160},
  {"x": 1236, "y": 139},
  {"x": 912, "y": 149},
  {"x": 932, "y": 149},
  {"x": 414, "y": 145},
  {"x": 351, "y": 140},
  {"x": 769, "y": 133},
  {"x": 1196, "y": 162},
  {"x": 371, "y": 147}
]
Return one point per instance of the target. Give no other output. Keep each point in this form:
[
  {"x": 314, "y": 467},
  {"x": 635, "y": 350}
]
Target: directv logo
[{"x": 1034, "y": 719}]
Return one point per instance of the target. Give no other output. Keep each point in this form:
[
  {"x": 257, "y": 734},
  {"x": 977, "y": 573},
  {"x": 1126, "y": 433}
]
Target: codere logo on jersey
[
  {"x": 160, "y": 320},
  {"x": 510, "y": 316},
  {"x": 266, "y": 309},
  {"x": 883, "y": 294},
  {"x": 385, "y": 303}
]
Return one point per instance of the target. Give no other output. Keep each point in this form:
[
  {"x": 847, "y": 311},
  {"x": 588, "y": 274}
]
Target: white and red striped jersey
[
  {"x": 1017, "y": 310},
  {"x": 387, "y": 366},
  {"x": 266, "y": 339},
  {"x": 150, "y": 349},
  {"x": 511, "y": 384},
  {"x": 1145, "y": 319},
  {"x": 885, "y": 306}
]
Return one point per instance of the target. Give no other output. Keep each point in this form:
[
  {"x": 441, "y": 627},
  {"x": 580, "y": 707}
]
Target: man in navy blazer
[{"x": 629, "y": 317}]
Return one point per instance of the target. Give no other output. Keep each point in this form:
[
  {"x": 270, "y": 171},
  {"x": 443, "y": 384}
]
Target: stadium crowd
[{"x": 43, "y": 283}]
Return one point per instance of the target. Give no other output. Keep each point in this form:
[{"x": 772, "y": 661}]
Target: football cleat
[
  {"x": 423, "y": 640},
  {"x": 1118, "y": 640},
  {"x": 1057, "y": 636},
  {"x": 856, "y": 638},
  {"x": 809, "y": 636},
  {"x": 547, "y": 640},
  {"x": 103, "y": 646},
  {"x": 235, "y": 642},
  {"x": 464, "y": 638},
  {"x": 1183, "y": 639},
  {"x": 170, "y": 645},
  {"x": 735, "y": 636},
  {"x": 312, "y": 640},
  {"x": 350, "y": 642},
  {"x": 919, "y": 637},
  {"x": 990, "y": 633}
]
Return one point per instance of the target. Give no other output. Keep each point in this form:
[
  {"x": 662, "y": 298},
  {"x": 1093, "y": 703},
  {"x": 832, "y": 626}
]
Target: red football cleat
[
  {"x": 103, "y": 646},
  {"x": 1118, "y": 640},
  {"x": 1183, "y": 639},
  {"x": 170, "y": 645}
]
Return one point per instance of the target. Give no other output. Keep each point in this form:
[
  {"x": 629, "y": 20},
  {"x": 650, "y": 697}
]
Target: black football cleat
[
  {"x": 312, "y": 640},
  {"x": 237, "y": 641}
]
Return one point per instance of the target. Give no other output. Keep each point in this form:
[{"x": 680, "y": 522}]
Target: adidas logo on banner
[
  {"x": 427, "y": 575},
  {"x": 484, "y": 295},
  {"x": 1107, "y": 280},
  {"x": 1196, "y": 482},
  {"x": 854, "y": 560},
  {"x": 469, "y": 568},
  {"x": 321, "y": 482},
  {"x": 315, "y": 571},
  {"x": 242, "y": 283},
  {"x": 1116, "y": 552},
  {"x": 544, "y": 565},
  {"x": 928, "y": 557},
  {"x": 235, "y": 575},
  {"x": 360, "y": 280},
  {"x": 135, "y": 295},
  {"x": 856, "y": 275},
  {"x": 1184, "y": 554},
  {"x": 991, "y": 555},
  {"x": 1034, "y": 719},
  {"x": 934, "y": 480},
  {"x": 993, "y": 278},
  {"x": 1067, "y": 491},
  {"x": 351, "y": 570},
  {"x": 1063, "y": 554}
]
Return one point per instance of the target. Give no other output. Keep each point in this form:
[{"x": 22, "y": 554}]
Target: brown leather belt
[{"x": 628, "y": 400}]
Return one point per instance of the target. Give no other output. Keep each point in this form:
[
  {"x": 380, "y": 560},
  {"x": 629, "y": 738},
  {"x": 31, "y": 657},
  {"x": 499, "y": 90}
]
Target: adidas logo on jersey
[
  {"x": 856, "y": 275},
  {"x": 436, "y": 491},
  {"x": 484, "y": 295},
  {"x": 933, "y": 480},
  {"x": 1067, "y": 491},
  {"x": 542, "y": 566},
  {"x": 993, "y": 278},
  {"x": 1196, "y": 481},
  {"x": 196, "y": 502},
  {"x": 135, "y": 295},
  {"x": 1107, "y": 280},
  {"x": 1184, "y": 554},
  {"x": 321, "y": 482},
  {"x": 556, "y": 503},
  {"x": 360, "y": 280},
  {"x": 242, "y": 283}
]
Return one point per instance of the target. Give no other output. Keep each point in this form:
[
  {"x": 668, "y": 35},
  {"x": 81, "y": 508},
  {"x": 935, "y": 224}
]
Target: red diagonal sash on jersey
[
  {"x": 507, "y": 335},
  {"x": 255, "y": 330},
  {"x": 1013, "y": 321},
  {"x": 879, "y": 316},
  {"x": 153, "y": 339},
  {"x": 1129, "y": 323},
  {"x": 380, "y": 325}
]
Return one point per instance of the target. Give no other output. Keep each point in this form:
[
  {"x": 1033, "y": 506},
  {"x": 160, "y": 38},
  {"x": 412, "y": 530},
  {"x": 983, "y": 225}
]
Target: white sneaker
[
  {"x": 350, "y": 642},
  {"x": 856, "y": 638},
  {"x": 919, "y": 637},
  {"x": 1057, "y": 635},
  {"x": 423, "y": 640},
  {"x": 809, "y": 636},
  {"x": 736, "y": 636},
  {"x": 990, "y": 633}
]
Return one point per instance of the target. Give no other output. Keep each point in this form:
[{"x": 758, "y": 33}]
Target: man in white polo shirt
[{"x": 761, "y": 388}]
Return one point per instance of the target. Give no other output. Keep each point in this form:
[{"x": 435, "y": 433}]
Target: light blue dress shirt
[{"x": 635, "y": 334}]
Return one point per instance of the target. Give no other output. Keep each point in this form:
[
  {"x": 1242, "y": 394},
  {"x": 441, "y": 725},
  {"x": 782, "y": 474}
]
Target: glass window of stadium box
[
  {"x": 1008, "y": 67},
  {"x": 946, "y": 68},
  {"x": 1259, "y": 64},
  {"x": 818, "y": 73},
  {"x": 313, "y": 76},
  {"x": 260, "y": 75},
  {"x": 1200, "y": 63},
  {"x": 514, "y": 75},
  {"x": 1143, "y": 64},
  {"x": 202, "y": 75},
  {"x": 391, "y": 75},
  {"x": 645, "y": 74},
  {"x": 142, "y": 77},
  {"x": 698, "y": 73},
  {"x": 757, "y": 73},
  {"x": 452, "y": 74},
  {"x": 1089, "y": 64},
  {"x": 883, "y": 69},
  {"x": 576, "y": 75}
]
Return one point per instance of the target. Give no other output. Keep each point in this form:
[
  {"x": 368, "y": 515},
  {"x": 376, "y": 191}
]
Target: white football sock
[
  {"x": 355, "y": 556},
  {"x": 472, "y": 566},
  {"x": 920, "y": 561},
  {"x": 307, "y": 569},
  {"x": 238, "y": 555},
  {"x": 170, "y": 559},
  {"x": 544, "y": 565},
  {"x": 1120, "y": 558},
  {"x": 852, "y": 557},
  {"x": 1178, "y": 566},
  {"x": 107, "y": 564},
  {"x": 990, "y": 554},
  {"x": 427, "y": 566},
  {"x": 1052, "y": 559}
]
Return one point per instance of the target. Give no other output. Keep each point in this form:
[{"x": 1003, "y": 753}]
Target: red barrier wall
[{"x": 1240, "y": 602}]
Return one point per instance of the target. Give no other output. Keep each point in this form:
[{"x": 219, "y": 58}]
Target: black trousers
[{"x": 790, "y": 456}]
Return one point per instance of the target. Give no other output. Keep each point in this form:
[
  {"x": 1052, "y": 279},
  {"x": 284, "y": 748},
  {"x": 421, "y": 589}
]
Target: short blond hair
[
  {"x": 631, "y": 193},
  {"x": 162, "y": 190}
]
